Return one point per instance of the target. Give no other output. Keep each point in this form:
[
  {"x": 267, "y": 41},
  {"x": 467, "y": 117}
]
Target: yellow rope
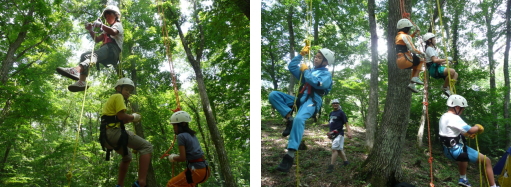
[
  {"x": 69, "y": 175},
  {"x": 484, "y": 166},
  {"x": 451, "y": 82}
]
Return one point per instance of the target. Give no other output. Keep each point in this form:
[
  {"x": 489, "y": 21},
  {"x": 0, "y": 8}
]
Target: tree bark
[
  {"x": 139, "y": 129},
  {"x": 506, "y": 73},
  {"x": 292, "y": 79},
  {"x": 225, "y": 167},
  {"x": 488, "y": 12},
  {"x": 372, "y": 112},
  {"x": 383, "y": 165}
]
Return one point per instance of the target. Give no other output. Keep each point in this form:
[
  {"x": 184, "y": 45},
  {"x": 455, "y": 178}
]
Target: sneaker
[
  {"x": 135, "y": 184},
  {"x": 77, "y": 86},
  {"x": 71, "y": 73},
  {"x": 446, "y": 91},
  {"x": 118, "y": 186},
  {"x": 464, "y": 182},
  {"x": 411, "y": 86},
  {"x": 286, "y": 163},
  {"x": 330, "y": 168},
  {"x": 416, "y": 80},
  {"x": 289, "y": 126},
  {"x": 346, "y": 163}
]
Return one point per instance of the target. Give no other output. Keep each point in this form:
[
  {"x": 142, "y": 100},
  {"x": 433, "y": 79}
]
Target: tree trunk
[
  {"x": 6, "y": 155},
  {"x": 139, "y": 129},
  {"x": 506, "y": 73},
  {"x": 13, "y": 47},
  {"x": 383, "y": 165},
  {"x": 372, "y": 112},
  {"x": 292, "y": 79},
  {"x": 273, "y": 72},
  {"x": 225, "y": 166},
  {"x": 488, "y": 14}
]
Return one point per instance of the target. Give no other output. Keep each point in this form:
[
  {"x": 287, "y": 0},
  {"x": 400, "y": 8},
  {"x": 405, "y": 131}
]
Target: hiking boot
[
  {"x": 416, "y": 80},
  {"x": 446, "y": 91},
  {"x": 118, "y": 186},
  {"x": 411, "y": 86},
  {"x": 77, "y": 86},
  {"x": 71, "y": 73},
  {"x": 135, "y": 184},
  {"x": 346, "y": 163},
  {"x": 286, "y": 163},
  {"x": 330, "y": 168},
  {"x": 464, "y": 182},
  {"x": 289, "y": 126}
]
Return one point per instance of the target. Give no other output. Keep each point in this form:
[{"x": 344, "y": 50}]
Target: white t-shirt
[
  {"x": 430, "y": 52},
  {"x": 119, "y": 38},
  {"x": 451, "y": 125}
]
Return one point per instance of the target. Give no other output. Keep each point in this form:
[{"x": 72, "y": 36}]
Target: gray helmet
[
  {"x": 335, "y": 101},
  {"x": 112, "y": 8},
  {"x": 125, "y": 82}
]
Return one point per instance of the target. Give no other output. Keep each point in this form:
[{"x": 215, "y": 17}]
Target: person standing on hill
[{"x": 338, "y": 120}]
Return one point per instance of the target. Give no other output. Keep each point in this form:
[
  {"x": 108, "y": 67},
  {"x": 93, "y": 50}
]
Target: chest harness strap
[
  {"x": 123, "y": 139},
  {"x": 310, "y": 91}
]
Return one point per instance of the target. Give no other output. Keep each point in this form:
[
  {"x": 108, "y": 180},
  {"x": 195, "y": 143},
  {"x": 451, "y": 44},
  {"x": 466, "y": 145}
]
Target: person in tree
[
  {"x": 407, "y": 53},
  {"x": 452, "y": 131},
  {"x": 114, "y": 136},
  {"x": 197, "y": 170},
  {"x": 112, "y": 38},
  {"x": 337, "y": 122},
  {"x": 315, "y": 84},
  {"x": 434, "y": 64}
]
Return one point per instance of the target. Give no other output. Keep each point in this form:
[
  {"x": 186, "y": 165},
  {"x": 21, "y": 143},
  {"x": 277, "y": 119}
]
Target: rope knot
[
  {"x": 430, "y": 160},
  {"x": 69, "y": 175},
  {"x": 425, "y": 103},
  {"x": 177, "y": 109}
]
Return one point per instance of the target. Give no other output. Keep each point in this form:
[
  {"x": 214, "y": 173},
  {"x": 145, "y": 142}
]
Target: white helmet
[
  {"x": 456, "y": 100},
  {"x": 402, "y": 23},
  {"x": 125, "y": 82},
  {"x": 328, "y": 54},
  {"x": 428, "y": 36},
  {"x": 180, "y": 116},
  {"x": 112, "y": 8},
  {"x": 335, "y": 101}
]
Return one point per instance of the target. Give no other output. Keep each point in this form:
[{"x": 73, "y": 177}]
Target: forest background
[
  {"x": 41, "y": 137},
  {"x": 372, "y": 90}
]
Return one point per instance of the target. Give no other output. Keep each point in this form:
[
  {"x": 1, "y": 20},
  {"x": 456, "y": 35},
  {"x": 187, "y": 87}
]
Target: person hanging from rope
[
  {"x": 197, "y": 170},
  {"x": 407, "y": 53},
  {"x": 112, "y": 38},
  {"x": 434, "y": 64},
  {"x": 338, "y": 120},
  {"x": 114, "y": 136},
  {"x": 452, "y": 131},
  {"x": 314, "y": 85}
]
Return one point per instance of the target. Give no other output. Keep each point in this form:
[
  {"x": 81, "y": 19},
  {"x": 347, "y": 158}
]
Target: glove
[
  {"x": 481, "y": 128},
  {"x": 171, "y": 157},
  {"x": 136, "y": 117},
  {"x": 449, "y": 58},
  {"x": 88, "y": 26},
  {"x": 305, "y": 50},
  {"x": 468, "y": 135},
  {"x": 304, "y": 67},
  {"x": 97, "y": 23}
]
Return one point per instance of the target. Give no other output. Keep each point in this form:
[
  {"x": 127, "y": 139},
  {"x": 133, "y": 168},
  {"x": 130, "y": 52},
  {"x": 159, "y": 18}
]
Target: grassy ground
[{"x": 313, "y": 162}]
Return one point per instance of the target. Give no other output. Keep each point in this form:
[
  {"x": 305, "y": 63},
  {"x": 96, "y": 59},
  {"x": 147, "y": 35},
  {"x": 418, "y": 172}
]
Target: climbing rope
[
  {"x": 69, "y": 174},
  {"x": 166, "y": 41},
  {"x": 483, "y": 164},
  {"x": 451, "y": 82},
  {"x": 430, "y": 160}
]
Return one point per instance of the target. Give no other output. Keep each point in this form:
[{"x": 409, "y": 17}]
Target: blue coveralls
[{"x": 319, "y": 78}]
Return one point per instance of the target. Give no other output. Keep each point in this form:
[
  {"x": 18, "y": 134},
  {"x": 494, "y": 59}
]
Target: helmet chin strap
[{"x": 457, "y": 112}]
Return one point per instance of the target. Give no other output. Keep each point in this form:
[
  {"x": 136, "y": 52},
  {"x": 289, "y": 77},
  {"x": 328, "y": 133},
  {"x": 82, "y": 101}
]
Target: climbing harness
[{"x": 103, "y": 139}]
